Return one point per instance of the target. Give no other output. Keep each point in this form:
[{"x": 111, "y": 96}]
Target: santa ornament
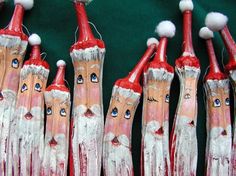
[
  {"x": 117, "y": 157},
  {"x": 218, "y": 149},
  {"x": 27, "y": 129},
  {"x": 87, "y": 122},
  {"x": 183, "y": 141},
  {"x": 56, "y": 144},
  {"x": 158, "y": 75},
  {"x": 218, "y": 22},
  {"x": 13, "y": 44}
]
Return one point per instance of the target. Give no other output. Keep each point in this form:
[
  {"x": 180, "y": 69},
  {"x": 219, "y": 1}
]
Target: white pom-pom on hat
[
  {"x": 165, "y": 29},
  {"x": 61, "y": 63},
  {"x": 151, "y": 41},
  {"x": 185, "y": 5},
  {"x": 27, "y": 4},
  {"x": 216, "y": 21},
  {"x": 206, "y": 33},
  {"x": 34, "y": 39}
]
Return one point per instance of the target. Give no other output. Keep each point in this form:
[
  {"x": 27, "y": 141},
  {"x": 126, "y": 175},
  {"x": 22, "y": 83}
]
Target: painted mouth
[
  {"x": 224, "y": 133},
  {"x": 53, "y": 142},
  {"x": 191, "y": 123},
  {"x": 160, "y": 131},
  {"x": 115, "y": 141},
  {"x": 89, "y": 113},
  {"x": 1, "y": 96},
  {"x": 28, "y": 116}
]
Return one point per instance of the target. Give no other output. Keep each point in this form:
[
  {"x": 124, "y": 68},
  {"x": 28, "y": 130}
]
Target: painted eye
[
  {"x": 217, "y": 103},
  {"x": 167, "y": 100},
  {"x": 63, "y": 112},
  {"x": 49, "y": 111},
  {"x": 114, "y": 112},
  {"x": 24, "y": 88},
  {"x": 187, "y": 96},
  {"x": 80, "y": 79},
  {"x": 37, "y": 87},
  {"x": 127, "y": 114},
  {"x": 94, "y": 78},
  {"x": 15, "y": 63},
  {"x": 227, "y": 102}
]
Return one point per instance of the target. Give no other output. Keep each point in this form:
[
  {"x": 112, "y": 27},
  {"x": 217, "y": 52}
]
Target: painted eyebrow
[
  {"x": 129, "y": 103},
  {"x": 95, "y": 65},
  {"x": 80, "y": 68}
]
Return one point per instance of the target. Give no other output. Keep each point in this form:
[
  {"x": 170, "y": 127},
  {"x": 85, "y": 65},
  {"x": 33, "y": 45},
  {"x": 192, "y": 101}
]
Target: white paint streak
[
  {"x": 156, "y": 149},
  {"x": 88, "y": 133}
]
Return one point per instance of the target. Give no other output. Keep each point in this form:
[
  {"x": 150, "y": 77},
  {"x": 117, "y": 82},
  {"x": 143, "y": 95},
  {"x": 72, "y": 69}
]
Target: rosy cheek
[
  {"x": 126, "y": 127},
  {"x": 227, "y": 116},
  {"x": 214, "y": 121},
  {"x": 109, "y": 127},
  {"x": 23, "y": 100},
  {"x": 49, "y": 123},
  {"x": 94, "y": 93},
  {"x": 80, "y": 92},
  {"x": 37, "y": 100},
  {"x": 62, "y": 128},
  {"x": 12, "y": 80},
  {"x": 151, "y": 112}
]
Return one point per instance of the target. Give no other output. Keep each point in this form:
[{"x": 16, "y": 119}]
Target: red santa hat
[
  {"x": 218, "y": 22},
  {"x": 214, "y": 71},
  {"x": 15, "y": 26}
]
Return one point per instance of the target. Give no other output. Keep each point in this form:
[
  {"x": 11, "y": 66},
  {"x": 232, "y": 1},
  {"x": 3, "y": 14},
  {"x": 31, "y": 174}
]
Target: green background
[{"x": 125, "y": 26}]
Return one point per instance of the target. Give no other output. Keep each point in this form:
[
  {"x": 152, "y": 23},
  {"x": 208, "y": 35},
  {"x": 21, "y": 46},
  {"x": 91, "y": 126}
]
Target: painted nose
[
  {"x": 89, "y": 113},
  {"x": 115, "y": 141},
  {"x": 160, "y": 131},
  {"x": 28, "y": 116},
  {"x": 224, "y": 133},
  {"x": 1, "y": 96},
  {"x": 52, "y": 142}
]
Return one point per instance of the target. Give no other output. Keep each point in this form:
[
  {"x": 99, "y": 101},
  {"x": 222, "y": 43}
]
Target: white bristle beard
[
  {"x": 156, "y": 149},
  {"x": 40, "y": 71},
  {"x": 93, "y": 53},
  {"x": 158, "y": 74},
  {"x": 9, "y": 41},
  {"x": 185, "y": 146},
  {"x": 62, "y": 95},
  {"x": 117, "y": 160},
  {"x": 58, "y": 155},
  {"x": 89, "y": 133},
  {"x": 216, "y": 21},
  {"x": 218, "y": 153},
  {"x": 127, "y": 93},
  {"x": 212, "y": 85}
]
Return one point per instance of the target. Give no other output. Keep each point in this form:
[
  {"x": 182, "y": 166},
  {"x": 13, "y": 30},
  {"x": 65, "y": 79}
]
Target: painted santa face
[
  {"x": 58, "y": 113},
  {"x": 11, "y": 62},
  {"x": 30, "y": 94},
  {"x": 156, "y": 101},
  {"x": 87, "y": 81},
  {"x": 219, "y": 108},
  {"x": 120, "y": 116}
]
